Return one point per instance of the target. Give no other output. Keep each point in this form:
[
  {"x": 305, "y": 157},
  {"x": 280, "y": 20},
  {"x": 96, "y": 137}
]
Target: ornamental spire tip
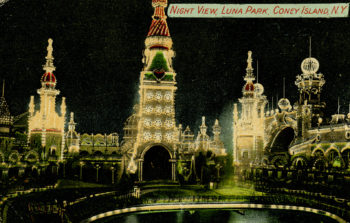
[{"x": 49, "y": 67}]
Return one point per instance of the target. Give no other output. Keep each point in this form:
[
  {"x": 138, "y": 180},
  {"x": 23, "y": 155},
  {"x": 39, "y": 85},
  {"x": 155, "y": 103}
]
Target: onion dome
[
  {"x": 248, "y": 88},
  {"x": 48, "y": 80},
  {"x": 284, "y": 104}
]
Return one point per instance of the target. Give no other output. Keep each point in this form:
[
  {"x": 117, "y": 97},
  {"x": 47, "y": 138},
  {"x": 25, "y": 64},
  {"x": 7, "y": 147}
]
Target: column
[
  {"x": 173, "y": 169},
  {"x": 5, "y": 174},
  {"x": 112, "y": 169},
  {"x": 140, "y": 162},
  {"x": 20, "y": 171},
  {"x": 81, "y": 164}
]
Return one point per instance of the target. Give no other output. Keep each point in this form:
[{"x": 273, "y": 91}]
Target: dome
[
  {"x": 284, "y": 104},
  {"x": 310, "y": 65},
  {"x": 248, "y": 87},
  {"x": 259, "y": 89},
  {"x": 48, "y": 79}
]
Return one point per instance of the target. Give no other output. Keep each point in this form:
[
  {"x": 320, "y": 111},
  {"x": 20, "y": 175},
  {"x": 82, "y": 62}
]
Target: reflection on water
[{"x": 222, "y": 216}]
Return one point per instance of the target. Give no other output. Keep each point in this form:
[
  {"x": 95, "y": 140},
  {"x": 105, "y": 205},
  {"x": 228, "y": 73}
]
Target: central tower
[
  {"x": 248, "y": 129},
  {"x": 153, "y": 121}
]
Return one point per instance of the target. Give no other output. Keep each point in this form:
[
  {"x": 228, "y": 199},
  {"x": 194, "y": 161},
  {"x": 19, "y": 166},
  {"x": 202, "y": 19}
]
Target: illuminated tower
[
  {"x": 46, "y": 126},
  {"x": 72, "y": 137},
  {"x": 6, "y": 120},
  {"x": 153, "y": 121},
  {"x": 248, "y": 129},
  {"x": 217, "y": 146},
  {"x": 203, "y": 140},
  {"x": 309, "y": 84}
]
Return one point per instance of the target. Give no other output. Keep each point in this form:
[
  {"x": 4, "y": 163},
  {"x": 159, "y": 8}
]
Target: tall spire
[
  {"x": 310, "y": 46},
  {"x": 248, "y": 88},
  {"x": 3, "y": 88},
  {"x": 249, "y": 74},
  {"x": 49, "y": 67},
  {"x": 203, "y": 127},
  {"x": 5, "y": 116},
  {"x": 284, "y": 87},
  {"x": 257, "y": 71},
  {"x": 48, "y": 80}
]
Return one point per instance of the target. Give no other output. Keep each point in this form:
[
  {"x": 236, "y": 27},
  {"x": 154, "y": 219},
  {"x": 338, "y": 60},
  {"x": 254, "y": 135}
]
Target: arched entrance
[
  {"x": 156, "y": 164},
  {"x": 283, "y": 140}
]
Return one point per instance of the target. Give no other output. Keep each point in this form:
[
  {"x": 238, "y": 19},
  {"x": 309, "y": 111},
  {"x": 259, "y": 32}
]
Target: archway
[
  {"x": 283, "y": 140},
  {"x": 346, "y": 157},
  {"x": 83, "y": 153},
  {"x": 156, "y": 165}
]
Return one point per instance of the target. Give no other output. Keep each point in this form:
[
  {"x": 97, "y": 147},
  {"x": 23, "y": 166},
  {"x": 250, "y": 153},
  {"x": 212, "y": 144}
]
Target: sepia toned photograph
[{"x": 174, "y": 111}]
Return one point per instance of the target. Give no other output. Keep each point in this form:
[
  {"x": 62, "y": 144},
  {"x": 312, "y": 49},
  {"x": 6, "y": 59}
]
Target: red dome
[
  {"x": 49, "y": 78},
  {"x": 249, "y": 87}
]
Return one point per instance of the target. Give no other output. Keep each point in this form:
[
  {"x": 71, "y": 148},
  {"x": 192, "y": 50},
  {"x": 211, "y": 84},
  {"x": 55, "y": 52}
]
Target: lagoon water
[{"x": 222, "y": 216}]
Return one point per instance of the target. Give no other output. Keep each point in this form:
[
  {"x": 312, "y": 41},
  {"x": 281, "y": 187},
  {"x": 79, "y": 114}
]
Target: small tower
[
  {"x": 6, "y": 120},
  {"x": 72, "y": 137},
  {"x": 46, "y": 126},
  {"x": 217, "y": 146},
  {"x": 187, "y": 140},
  {"x": 203, "y": 141},
  {"x": 310, "y": 85}
]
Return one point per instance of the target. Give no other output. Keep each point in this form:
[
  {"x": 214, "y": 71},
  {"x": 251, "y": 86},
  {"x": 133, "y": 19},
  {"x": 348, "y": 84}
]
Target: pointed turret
[
  {"x": 217, "y": 146},
  {"x": 203, "y": 127},
  {"x": 5, "y": 116},
  {"x": 216, "y": 130},
  {"x": 71, "y": 124}
]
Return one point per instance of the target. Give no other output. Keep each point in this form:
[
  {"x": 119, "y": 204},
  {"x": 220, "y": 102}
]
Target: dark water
[{"x": 222, "y": 216}]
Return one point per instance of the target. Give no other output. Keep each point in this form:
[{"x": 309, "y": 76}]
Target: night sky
[{"x": 98, "y": 50}]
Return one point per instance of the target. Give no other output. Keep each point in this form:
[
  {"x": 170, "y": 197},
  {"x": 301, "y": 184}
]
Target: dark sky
[{"x": 98, "y": 50}]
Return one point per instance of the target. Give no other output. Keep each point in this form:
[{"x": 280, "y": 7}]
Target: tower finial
[
  {"x": 49, "y": 67},
  {"x": 257, "y": 71},
  {"x": 249, "y": 70},
  {"x": 284, "y": 87},
  {"x": 249, "y": 60},
  {"x": 3, "y": 88},
  {"x": 309, "y": 46}
]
